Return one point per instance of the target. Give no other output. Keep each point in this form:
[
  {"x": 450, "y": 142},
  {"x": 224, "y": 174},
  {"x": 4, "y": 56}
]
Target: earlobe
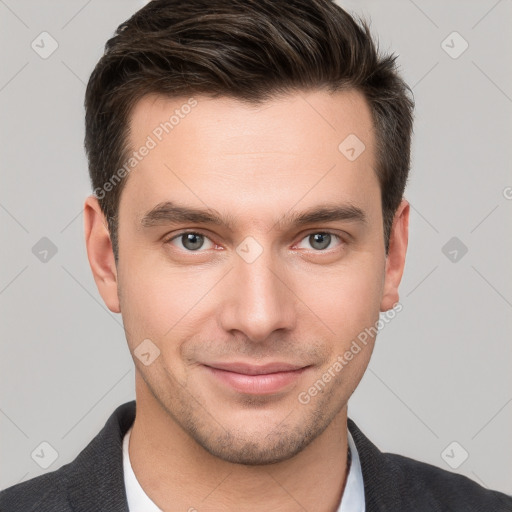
[
  {"x": 100, "y": 253},
  {"x": 395, "y": 260}
]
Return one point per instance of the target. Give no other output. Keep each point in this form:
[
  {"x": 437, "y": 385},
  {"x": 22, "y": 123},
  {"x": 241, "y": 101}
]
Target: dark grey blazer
[{"x": 94, "y": 481}]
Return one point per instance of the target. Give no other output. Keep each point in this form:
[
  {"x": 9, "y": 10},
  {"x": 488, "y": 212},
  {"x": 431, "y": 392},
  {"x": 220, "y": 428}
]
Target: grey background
[{"x": 441, "y": 370}]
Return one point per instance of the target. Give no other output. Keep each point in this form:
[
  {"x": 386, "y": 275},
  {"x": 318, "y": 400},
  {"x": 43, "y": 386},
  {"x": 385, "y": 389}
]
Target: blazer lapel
[
  {"x": 95, "y": 480},
  {"x": 382, "y": 479}
]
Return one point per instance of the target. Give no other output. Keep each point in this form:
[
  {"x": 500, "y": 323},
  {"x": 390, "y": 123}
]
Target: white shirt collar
[
  {"x": 353, "y": 495},
  {"x": 138, "y": 500},
  {"x": 352, "y": 499}
]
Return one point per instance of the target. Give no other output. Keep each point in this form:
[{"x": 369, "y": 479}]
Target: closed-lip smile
[{"x": 253, "y": 379}]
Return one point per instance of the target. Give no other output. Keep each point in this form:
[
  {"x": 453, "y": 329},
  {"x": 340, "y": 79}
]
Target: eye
[
  {"x": 321, "y": 240},
  {"x": 190, "y": 241}
]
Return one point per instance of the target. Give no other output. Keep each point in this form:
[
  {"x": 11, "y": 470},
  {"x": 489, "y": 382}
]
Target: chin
[{"x": 253, "y": 453}]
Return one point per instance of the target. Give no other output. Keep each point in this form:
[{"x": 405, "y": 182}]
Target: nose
[{"x": 258, "y": 299}]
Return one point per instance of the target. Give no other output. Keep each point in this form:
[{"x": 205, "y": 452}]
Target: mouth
[{"x": 257, "y": 380}]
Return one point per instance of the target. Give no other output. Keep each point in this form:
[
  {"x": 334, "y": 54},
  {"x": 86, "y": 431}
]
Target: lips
[
  {"x": 256, "y": 379},
  {"x": 249, "y": 369}
]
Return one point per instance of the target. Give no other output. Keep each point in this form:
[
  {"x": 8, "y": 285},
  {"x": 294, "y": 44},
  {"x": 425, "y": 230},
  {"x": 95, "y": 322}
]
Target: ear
[
  {"x": 100, "y": 253},
  {"x": 395, "y": 260}
]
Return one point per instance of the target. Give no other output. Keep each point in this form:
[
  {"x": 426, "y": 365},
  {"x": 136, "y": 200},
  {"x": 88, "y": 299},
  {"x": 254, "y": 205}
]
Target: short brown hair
[{"x": 251, "y": 50}]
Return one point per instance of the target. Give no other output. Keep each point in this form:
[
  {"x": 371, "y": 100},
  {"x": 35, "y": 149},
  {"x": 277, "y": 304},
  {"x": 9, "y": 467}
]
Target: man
[{"x": 248, "y": 161}]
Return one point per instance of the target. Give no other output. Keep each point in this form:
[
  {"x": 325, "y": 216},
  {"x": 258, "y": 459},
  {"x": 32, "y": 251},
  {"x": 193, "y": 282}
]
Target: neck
[{"x": 179, "y": 474}]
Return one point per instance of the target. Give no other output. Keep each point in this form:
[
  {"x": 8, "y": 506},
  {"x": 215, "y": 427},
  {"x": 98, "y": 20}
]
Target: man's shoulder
[
  {"x": 43, "y": 493},
  {"x": 94, "y": 480},
  {"x": 440, "y": 489},
  {"x": 395, "y": 482}
]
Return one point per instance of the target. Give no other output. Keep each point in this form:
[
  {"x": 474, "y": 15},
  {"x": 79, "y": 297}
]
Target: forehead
[
  {"x": 301, "y": 147},
  {"x": 284, "y": 122}
]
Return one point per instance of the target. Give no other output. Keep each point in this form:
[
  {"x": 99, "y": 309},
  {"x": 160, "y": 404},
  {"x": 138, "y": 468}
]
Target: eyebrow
[{"x": 172, "y": 213}]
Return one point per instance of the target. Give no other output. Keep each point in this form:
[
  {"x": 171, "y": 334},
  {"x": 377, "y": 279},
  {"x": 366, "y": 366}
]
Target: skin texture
[{"x": 197, "y": 442}]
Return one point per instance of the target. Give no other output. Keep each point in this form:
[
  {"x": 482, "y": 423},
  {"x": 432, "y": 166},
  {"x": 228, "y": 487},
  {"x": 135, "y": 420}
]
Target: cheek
[
  {"x": 147, "y": 303},
  {"x": 346, "y": 298},
  {"x": 162, "y": 303},
  {"x": 349, "y": 306}
]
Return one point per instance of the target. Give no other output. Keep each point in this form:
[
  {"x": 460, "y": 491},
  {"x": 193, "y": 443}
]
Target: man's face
[{"x": 264, "y": 289}]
